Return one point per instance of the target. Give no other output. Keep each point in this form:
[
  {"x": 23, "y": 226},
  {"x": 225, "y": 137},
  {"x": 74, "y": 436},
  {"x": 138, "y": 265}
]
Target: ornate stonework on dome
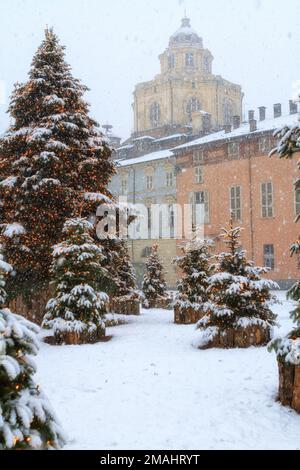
[{"x": 186, "y": 94}]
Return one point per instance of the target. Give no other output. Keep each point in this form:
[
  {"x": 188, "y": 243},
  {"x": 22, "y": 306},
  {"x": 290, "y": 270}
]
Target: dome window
[
  {"x": 193, "y": 105},
  {"x": 189, "y": 59},
  {"x": 171, "y": 61},
  {"x": 154, "y": 114}
]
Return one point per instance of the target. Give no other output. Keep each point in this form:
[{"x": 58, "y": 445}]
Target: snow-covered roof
[
  {"x": 160, "y": 155},
  {"x": 262, "y": 126},
  {"x": 144, "y": 137},
  {"x": 126, "y": 147},
  {"x": 170, "y": 137}
]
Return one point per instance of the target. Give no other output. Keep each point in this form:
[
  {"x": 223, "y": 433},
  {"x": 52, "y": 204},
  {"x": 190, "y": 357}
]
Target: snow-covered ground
[{"x": 149, "y": 389}]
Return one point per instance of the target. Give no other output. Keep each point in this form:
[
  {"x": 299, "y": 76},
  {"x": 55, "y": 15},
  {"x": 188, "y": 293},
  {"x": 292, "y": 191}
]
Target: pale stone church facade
[{"x": 185, "y": 90}]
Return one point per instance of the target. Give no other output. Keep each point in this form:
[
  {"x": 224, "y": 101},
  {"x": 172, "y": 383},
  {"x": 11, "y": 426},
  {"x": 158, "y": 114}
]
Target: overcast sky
[{"x": 114, "y": 44}]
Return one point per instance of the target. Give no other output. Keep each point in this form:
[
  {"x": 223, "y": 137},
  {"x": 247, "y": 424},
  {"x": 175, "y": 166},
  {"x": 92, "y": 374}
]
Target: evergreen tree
[
  {"x": 27, "y": 420},
  {"x": 238, "y": 296},
  {"x": 288, "y": 348},
  {"x": 79, "y": 305},
  {"x": 196, "y": 267},
  {"x": 154, "y": 285},
  {"x": 54, "y": 159},
  {"x": 125, "y": 280}
]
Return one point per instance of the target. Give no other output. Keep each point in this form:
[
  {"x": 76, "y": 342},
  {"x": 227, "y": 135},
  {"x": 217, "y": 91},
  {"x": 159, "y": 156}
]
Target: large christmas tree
[
  {"x": 196, "y": 266},
  {"x": 154, "y": 286},
  {"x": 79, "y": 305},
  {"x": 288, "y": 348},
  {"x": 239, "y": 296},
  {"x": 27, "y": 420},
  {"x": 54, "y": 159}
]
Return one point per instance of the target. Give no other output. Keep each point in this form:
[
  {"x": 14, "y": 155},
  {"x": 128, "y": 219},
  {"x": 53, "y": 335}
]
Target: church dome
[{"x": 185, "y": 34}]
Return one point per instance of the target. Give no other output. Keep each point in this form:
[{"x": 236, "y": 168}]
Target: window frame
[
  {"x": 149, "y": 179},
  {"x": 296, "y": 203},
  {"x": 269, "y": 258},
  {"x": 198, "y": 156},
  {"x": 170, "y": 179},
  {"x": 206, "y": 202},
  {"x": 266, "y": 207},
  {"x": 199, "y": 177},
  {"x": 233, "y": 154},
  {"x": 189, "y": 59},
  {"x": 233, "y": 211}
]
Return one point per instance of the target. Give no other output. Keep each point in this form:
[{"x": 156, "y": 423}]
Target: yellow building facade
[{"x": 185, "y": 90}]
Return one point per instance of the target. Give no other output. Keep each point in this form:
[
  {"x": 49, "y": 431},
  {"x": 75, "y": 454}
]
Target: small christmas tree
[
  {"x": 78, "y": 309},
  {"x": 154, "y": 285},
  {"x": 288, "y": 348},
  {"x": 27, "y": 420},
  {"x": 195, "y": 264},
  {"x": 239, "y": 296},
  {"x": 125, "y": 280}
]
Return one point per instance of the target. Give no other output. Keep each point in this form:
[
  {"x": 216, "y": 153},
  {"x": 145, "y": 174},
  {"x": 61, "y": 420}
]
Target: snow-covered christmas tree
[
  {"x": 239, "y": 302},
  {"x": 154, "y": 286},
  {"x": 77, "y": 311},
  {"x": 54, "y": 159},
  {"x": 196, "y": 267},
  {"x": 125, "y": 280},
  {"x": 27, "y": 420}
]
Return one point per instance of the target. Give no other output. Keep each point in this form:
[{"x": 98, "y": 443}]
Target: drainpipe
[{"x": 251, "y": 207}]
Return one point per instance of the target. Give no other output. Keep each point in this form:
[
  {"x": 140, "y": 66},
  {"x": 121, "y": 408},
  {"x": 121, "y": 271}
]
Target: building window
[
  {"x": 189, "y": 59},
  {"x": 124, "y": 186},
  {"x": 149, "y": 182},
  {"x": 235, "y": 203},
  {"x": 171, "y": 61},
  {"x": 269, "y": 259},
  {"x": 267, "y": 209},
  {"x": 198, "y": 156},
  {"x": 297, "y": 202},
  {"x": 154, "y": 114},
  {"x": 171, "y": 220},
  {"x": 193, "y": 105},
  {"x": 264, "y": 144},
  {"x": 146, "y": 251},
  {"x": 228, "y": 112},
  {"x": 199, "y": 174},
  {"x": 233, "y": 149},
  {"x": 170, "y": 179},
  {"x": 200, "y": 197},
  {"x": 206, "y": 64}
]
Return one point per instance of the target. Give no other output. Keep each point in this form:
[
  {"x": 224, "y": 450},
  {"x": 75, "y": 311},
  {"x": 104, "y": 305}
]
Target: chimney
[
  {"x": 277, "y": 110},
  {"x": 293, "y": 107},
  {"x": 227, "y": 128},
  {"x": 252, "y": 125},
  {"x": 250, "y": 115},
  {"x": 236, "y": 121},
  {"x": 262, "y": 113},
  {"x": 206, "y": 122}
]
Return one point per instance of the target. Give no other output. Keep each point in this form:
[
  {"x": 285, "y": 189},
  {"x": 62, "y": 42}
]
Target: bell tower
[{"x": 185, "y": 90}]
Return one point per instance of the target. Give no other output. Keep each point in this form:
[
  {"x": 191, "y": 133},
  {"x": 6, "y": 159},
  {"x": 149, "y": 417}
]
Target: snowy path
[{"x": 149, "y": 389}]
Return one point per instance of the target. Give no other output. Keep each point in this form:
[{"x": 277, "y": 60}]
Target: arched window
[
  {"x": 206, "y": 64},
  {"x": 171, "y": 61},
  {"x": 193, "y": 105},
  {"x": 189, "y": 59},
  {"x": 154, "y": 114},
  {"x": 228, "y": 112}
]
